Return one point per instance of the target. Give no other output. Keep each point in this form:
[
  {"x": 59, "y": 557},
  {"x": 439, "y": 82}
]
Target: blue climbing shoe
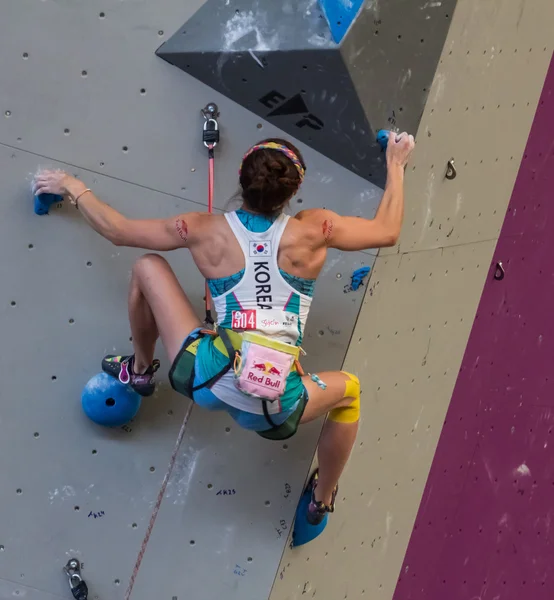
[{"x": 317, "y": 510}]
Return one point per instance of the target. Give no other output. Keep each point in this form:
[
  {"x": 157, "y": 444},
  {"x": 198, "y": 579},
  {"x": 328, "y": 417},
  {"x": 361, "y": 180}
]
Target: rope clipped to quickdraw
[{"x": 210, "y": 137}]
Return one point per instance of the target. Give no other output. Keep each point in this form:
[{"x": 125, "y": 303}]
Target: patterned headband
[{"x": 281, "y": 148}]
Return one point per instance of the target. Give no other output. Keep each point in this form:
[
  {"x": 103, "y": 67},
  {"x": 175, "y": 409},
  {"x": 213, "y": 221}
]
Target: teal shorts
[{"x": 199, "y": 364}]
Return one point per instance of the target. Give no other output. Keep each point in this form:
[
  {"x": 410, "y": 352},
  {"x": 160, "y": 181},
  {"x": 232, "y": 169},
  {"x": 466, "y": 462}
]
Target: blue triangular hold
[
  {"x": 340, "y": 15},
  {"x": 305, "y": 532}
]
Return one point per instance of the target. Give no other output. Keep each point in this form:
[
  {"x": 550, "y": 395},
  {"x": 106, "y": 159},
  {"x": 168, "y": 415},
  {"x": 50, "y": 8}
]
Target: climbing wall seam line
[{"x": 159, "y": 501}]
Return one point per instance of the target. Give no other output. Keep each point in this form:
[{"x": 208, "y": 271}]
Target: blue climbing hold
[
  {"x": 304, "y": 531},
  {"x": 340, "y": 15},
  {"x": 358, "y": 277},
  {"x": 43, "y": 202},
  {"x": 108, "y": 402},
  {"x": 383, "y": 138}
]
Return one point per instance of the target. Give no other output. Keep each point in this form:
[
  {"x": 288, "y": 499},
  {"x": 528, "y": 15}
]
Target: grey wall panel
[
  {"x": 45, "y": 94},
  {"x": 56, "y": 269},
  {"x": 69, "y": 287}
]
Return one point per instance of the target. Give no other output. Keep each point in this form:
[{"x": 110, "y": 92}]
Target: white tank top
[{"x": 262, "y": 301}]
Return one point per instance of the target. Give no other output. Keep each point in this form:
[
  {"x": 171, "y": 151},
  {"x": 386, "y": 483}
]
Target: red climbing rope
[{"x": 158, "y": 504}]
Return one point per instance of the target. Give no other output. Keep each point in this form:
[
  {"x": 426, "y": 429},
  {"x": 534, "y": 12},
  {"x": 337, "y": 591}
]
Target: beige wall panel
[
  {"x": 479, "y": 111},
  {"x": 415, "y": 307},
  {"x": 422, "y": 297}
]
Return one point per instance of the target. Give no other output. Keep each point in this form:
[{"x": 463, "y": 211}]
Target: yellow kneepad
[{"x": 350, "y": 413}]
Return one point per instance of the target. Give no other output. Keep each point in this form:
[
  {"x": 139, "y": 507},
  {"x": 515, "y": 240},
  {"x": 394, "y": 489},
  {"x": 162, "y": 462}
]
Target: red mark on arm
[
  {"x": 182, "y": 229},
  {"x": 327, "y": 229}
]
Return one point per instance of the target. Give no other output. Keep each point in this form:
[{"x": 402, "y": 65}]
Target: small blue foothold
[
  {"x": 43, "y": 202},
  {"x": 358, "y": 277},
  {"x": 383, "y": 138}
]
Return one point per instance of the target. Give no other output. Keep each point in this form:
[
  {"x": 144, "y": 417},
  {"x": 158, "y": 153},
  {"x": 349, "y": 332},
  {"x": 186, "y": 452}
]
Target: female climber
[{"x": 261, "y": 266}]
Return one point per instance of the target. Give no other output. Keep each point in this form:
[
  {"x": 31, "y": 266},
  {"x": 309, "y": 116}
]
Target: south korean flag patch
[{"x": 260, "y": 249}]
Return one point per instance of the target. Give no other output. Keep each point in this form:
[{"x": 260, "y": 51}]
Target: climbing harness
[
  {"x": 210, "y": 137},
  {"x": 77, "y": 585}
]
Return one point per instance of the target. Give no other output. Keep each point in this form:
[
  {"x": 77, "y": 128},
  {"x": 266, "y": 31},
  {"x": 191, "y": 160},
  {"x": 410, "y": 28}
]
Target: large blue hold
[
  {"x": 340, "y": 15},
  {"x": 108, "y": 402}
]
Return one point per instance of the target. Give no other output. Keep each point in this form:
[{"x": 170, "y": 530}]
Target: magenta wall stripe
[{"x": 485, "y": 527}]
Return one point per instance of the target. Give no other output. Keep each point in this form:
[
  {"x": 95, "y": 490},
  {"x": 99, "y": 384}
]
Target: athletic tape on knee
[{"x": 350, "y": 413}]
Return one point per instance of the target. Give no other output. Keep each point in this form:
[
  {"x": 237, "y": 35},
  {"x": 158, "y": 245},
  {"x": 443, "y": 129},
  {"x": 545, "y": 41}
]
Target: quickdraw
[
  {"x": 77, "y": 585},
  {"x": 210, "y": 137}
]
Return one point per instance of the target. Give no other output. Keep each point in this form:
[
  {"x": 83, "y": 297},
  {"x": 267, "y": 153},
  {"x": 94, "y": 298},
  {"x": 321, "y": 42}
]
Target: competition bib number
[{"x": 244, "y": 319}]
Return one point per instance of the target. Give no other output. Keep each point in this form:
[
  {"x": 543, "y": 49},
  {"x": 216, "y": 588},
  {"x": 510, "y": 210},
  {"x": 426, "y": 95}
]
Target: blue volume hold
[
  {"x": 43, "y": 202},
  {"x": 383, "y": 138},
  {"x": 304, "y": 531},
  {"x": 340, "y": 15}
]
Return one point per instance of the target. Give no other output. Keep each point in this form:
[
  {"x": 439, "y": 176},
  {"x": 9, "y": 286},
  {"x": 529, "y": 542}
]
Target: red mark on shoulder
[
  {"x": 182, "y": 229},
  {"x": 327, "y": 229}
]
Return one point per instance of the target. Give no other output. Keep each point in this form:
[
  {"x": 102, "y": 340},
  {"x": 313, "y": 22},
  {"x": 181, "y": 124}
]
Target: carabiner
[{"x": 78, "y": 587}]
